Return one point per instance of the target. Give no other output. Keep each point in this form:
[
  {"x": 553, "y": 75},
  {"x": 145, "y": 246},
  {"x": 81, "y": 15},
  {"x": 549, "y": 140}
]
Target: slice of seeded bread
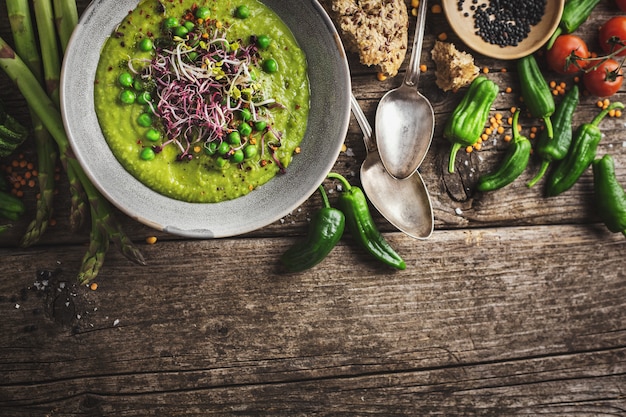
[
  {"x": 455, "y": 69},
  {"x": 375, "y": 29}
]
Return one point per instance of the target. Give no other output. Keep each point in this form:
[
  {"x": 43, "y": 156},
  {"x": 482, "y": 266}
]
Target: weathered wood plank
[
  {"x": 482, "y": 321},
  {"x": 551, "y": 386}
]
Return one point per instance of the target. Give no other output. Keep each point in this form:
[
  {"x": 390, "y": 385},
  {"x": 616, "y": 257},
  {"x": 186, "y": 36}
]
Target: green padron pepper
[
  {"x": 575, "y": 12},
  {"x": 581, "y": 154},
  {"x": 468, "y": 119},
  {"x": 610, "y": 195},
  {"x": 514, "y": 163},
  {"x": 325, "y": 230},
  {"x": 555, "y": 148},
  {"x": 11, "y": 207},
  {"x": 537, "y": 95},
  {"x": 359, "y": 221}
]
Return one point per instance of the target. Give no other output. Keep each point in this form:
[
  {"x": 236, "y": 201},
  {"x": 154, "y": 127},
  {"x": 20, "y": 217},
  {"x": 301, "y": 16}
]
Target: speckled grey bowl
[{"x": 328, "y": 123}]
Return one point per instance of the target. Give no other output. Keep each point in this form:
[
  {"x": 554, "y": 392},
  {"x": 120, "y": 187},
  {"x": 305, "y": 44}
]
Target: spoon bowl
[
  {"x": 405, "y": 120},
  {"x": 405, "y": 203}
]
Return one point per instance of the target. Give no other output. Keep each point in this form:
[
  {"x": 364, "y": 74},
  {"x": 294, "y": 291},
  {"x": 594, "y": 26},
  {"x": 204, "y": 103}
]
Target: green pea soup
[{"x": 131, "y": 126}]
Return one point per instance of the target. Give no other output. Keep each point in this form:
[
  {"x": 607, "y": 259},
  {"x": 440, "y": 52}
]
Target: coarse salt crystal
[
  {"x": 458, "y": 211},
  {"x": 116, "y": 322}
]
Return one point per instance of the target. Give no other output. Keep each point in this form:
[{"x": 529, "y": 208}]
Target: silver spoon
[
  {"x": 405, "y": 120},
  {"x": 404, "y": 203}
]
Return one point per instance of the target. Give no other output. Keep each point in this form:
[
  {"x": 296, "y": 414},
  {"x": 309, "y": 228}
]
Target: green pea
[
  {"x": 245, "y": 129},
  {"x": 147, "y": 154},
  {"x": 125, "y": 79},
  {"x": 189, "y": 25},
  {"x": 128, "y": 96},
  {"x": 180, "y": 31},
  {"x": 153, "y": 135},
  {"x": 249, "y": 151},
  {"x": 145, "y": 44},
  {"x": 211, "y": 148},
  {"x": 220, "y": 162},
  {"x": 242, "y": 12},
  {"x": 144, "y": 97},
  {"x": 223, "y": 148},
  {"x": 144, "y": 120},
  {"x": 138, "y": 85},
  {"x": 270, "y": 65},
  {"x": 203, "y": 12},
  {"x": 246, "y": 114},
  {"x": 192, "y": 55},
  {"x": 234, "y": 138},
  {"x": 237, "y": 157},
  {"x": 170, "y": 23},
  {"x": 263, "y": 41},
  {"x": 260, "y": 125}
]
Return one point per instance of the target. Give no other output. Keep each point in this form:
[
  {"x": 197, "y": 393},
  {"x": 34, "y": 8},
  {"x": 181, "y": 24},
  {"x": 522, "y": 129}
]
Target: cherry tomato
[
  {"x": 605, "y": 80},
  {"x": 612, "y": 35},
  {"x": 621, "y": 4},
  {"x": 562, "y": 49}
]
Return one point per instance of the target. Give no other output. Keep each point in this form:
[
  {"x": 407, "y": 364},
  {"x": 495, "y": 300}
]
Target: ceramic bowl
[
  {"x": 462, "y": 23},
  {"x": 329, "y": 79}
]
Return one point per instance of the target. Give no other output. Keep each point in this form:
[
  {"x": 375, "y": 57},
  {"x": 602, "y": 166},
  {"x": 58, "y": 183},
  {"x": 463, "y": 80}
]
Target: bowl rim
[{"x": 194, "y": 220}]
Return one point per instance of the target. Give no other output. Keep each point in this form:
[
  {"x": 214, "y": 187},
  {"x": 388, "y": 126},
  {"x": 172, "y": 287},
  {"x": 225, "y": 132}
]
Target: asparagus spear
[
  {"x": 41, "y": 104},
  {"x": 52, "y": 72},
  {"x": 26, "y": 46},
  {"x": 66, "y": 17},
  {"x": 49, "y": 47}
]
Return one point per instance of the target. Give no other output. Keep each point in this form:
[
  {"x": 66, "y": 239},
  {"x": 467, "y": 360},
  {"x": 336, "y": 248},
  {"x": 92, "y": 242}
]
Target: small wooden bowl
[{"x": 538, "y": 36}]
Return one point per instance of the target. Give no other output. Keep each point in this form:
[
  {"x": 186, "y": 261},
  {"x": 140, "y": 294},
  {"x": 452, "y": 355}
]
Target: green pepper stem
[
  {"x": 549, "y": 129},
  {"x": 596, "y": 120},
  {"x": 555, "y": 35},
  {"x": 344, "y": 181},
  {"x": 516, "y": 134},
  {"x": 324, "y": 196},
  {"x": 455, "y": 149}
]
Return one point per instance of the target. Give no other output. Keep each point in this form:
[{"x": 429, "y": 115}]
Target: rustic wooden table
[{"x": 515, "y": 306}]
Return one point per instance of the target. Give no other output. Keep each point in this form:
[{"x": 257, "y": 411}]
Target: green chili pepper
[
  {"x": 468, "y": 119},
  {"x": 11, "y": 207},
  {"x": 556, "y": 148},
  {"x": 575, "y": 12},
  {"x": 535, "y": 91},
  {"x": 325, "y": 230},
  {"x": 582, "y": 152},
  {"x": 512, "y": 166},
  {"x": 359, "y": 221},
  {"x": 610, "y": 195}
]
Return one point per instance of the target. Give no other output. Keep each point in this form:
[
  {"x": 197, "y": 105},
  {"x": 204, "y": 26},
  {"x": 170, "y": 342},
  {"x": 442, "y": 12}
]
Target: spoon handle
[
  {"x": 370, "y": 145},
  {"x": 412, "y": 72}
]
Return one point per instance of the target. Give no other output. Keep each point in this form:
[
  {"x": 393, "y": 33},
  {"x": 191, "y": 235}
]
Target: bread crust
[{"x": 375, "y": 29}]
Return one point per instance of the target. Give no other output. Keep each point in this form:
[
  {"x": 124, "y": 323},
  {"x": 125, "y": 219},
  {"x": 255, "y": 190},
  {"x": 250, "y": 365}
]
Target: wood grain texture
[
  {"x": 474, "y": 325},
  {"x": 516, "y": 306}
]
